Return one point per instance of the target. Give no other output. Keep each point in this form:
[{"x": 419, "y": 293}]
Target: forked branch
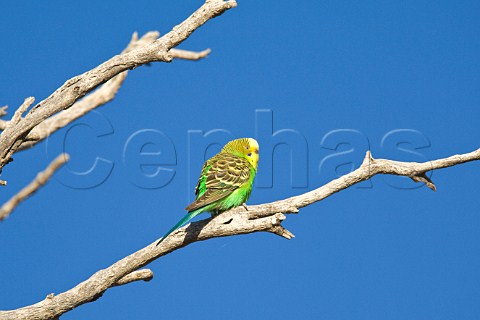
[{"x": 77, "y": 87}]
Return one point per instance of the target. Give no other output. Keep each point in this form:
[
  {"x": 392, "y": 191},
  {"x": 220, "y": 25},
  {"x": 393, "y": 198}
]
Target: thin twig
[
  {"x": 33, "y": 186},
  {"x": 189, "y": 55},
  {"x": 139, "y": 275},
  {"x": 3, "y": 112},
  {"x": 9, "y": 149},
  {"x": 17, "y": 116}
]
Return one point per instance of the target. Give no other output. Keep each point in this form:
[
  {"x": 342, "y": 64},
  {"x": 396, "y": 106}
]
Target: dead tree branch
[
  {"x": 265, "y": 217},
  {"x": 3, "y": 113},
  {"x": 104, "y": 94},
  {"x": 77, "y": 87},
  {"x": 139, "y": 275},
  {"x": 33, "y": 186},
  {"x": 189, "y": 55}
]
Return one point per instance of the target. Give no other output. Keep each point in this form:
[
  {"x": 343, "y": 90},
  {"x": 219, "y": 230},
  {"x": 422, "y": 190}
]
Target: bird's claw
[{"x": 245, "y": 206}]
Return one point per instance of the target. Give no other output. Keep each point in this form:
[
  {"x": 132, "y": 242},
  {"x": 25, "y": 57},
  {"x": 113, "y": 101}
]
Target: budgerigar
[{"x": 225, "y": 182}]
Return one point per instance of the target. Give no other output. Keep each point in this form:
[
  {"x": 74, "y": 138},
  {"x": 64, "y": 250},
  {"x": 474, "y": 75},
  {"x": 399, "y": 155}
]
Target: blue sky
[{"x": 329, "y": 80}]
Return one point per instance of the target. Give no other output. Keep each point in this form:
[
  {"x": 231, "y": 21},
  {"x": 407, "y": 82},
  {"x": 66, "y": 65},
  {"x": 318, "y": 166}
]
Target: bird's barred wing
[{"x": 220, "y": 176}]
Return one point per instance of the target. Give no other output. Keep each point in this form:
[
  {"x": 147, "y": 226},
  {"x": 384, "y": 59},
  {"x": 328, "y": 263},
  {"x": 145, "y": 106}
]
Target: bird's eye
[
  {"x": 249, "y": 154},
  {"x": 256, "y": 151}
]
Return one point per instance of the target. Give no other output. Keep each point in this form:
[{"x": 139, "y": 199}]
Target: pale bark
[
  {"x": 16, "y": 132},
  {"x": 265, "y": 217}
]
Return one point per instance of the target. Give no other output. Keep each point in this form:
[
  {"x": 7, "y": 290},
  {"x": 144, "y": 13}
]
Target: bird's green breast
[{"x": 240, "y": 195}]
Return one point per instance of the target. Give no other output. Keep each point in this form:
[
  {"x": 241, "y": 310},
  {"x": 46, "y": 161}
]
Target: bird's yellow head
[{"x": 244, "y": 147}]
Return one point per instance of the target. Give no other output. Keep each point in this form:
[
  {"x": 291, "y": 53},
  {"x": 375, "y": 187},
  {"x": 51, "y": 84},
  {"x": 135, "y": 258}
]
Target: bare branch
[
  {"x": 77, "y": 87},
  {"x": 139, "y": 275},
  {"x": 3, "y": 113},
  {"x": 265, "y": 217},
  {"x": 33, "y": 187},
  {"x": 278, "y": 229},
  {"x": 94, "y": 100},
  {"x": 189, "y": 55},
  {"x": 102, "y": 95},
  {"x": 10, "y": 130},
  {"x": 17, "y": 116}
]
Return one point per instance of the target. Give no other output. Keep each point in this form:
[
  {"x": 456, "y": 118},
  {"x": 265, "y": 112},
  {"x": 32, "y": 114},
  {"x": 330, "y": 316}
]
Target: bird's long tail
[{"x": 189, "y": 216}]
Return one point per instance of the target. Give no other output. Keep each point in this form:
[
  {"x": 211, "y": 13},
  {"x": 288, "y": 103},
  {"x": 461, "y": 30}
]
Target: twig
[
  {"x": 3, "y": 112},
  {"x": 17, "y": 116},
  {"x": 265, "y": 217},
  {"x": 33, "y": 186},
  {"x": 139, "y": 275},
  {"x": 189, "y": 55},
  {"x": 10, "y": 130}
]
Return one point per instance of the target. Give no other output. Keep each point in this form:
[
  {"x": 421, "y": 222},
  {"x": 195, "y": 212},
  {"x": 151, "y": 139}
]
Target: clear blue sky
[{"x": 401, "y": 78}]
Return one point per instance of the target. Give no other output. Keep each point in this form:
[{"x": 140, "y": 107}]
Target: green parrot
[{"x": 225, "y": 182}]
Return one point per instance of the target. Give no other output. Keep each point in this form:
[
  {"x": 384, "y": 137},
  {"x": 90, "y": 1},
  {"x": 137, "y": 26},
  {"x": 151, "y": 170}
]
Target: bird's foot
[{"x": 245, "y": 206}]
